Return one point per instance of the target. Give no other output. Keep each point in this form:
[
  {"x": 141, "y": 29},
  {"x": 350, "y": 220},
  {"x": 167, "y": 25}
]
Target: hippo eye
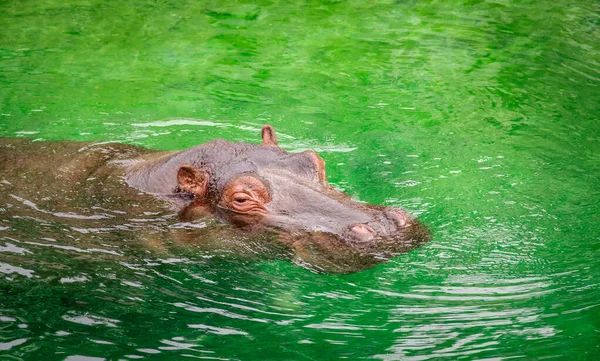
[
  {"x": 241, "y": 198},
  {"x": 245, "y": 195}
]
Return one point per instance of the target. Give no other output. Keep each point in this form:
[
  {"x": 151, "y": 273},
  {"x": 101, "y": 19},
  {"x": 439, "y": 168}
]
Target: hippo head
[{"x": 259, "y": 187}]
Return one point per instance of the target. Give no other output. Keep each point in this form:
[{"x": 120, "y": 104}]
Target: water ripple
[
  {"x": 9, "y": 269},
  {"x": 218, "y": 330},
  {"x": 218, "y": 311}
]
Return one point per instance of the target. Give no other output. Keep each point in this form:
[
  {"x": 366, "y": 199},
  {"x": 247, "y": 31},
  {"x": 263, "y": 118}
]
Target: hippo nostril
[
  {"x": 361, "y": 233},
  {"x": 401, "y": 219},
  {"x": 362, "y": 229}
]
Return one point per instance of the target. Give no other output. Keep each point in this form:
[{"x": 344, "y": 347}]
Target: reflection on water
[{"x": 479, "y": 117}]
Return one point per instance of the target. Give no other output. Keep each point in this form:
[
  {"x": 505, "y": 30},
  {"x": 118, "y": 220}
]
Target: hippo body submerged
[{"x": 259, "y": 189}]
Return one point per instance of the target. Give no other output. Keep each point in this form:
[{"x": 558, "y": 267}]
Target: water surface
[{"x": 480, "y": 117}]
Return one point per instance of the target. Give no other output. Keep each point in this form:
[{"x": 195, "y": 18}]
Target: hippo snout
[
  {"x": 388, "y": 229},
  {"x": 386, "y": 224}
]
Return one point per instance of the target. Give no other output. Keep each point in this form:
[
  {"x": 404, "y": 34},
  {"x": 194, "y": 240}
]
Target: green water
[{"x": 480, "y": 117}]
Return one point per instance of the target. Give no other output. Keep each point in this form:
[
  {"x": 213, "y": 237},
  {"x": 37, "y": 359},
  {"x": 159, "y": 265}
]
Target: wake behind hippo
[{"x": 259, "y": 189}]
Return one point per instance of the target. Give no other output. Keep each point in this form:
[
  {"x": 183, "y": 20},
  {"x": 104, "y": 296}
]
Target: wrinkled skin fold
[{"x": 279, "y": 203}]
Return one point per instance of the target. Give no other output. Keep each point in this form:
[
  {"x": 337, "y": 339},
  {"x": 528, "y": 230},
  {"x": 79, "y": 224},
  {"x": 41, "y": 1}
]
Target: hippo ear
[
  {"x": 190, "y": 179},
  {"x": 269, "y": 137}
]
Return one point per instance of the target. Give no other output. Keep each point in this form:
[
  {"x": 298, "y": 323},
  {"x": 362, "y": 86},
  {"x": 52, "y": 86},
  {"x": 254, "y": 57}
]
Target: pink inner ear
[
  {"x": 320, "y": 163},
  {"x": 192, "y": 180},
  {"x": 269, "y": 138}
]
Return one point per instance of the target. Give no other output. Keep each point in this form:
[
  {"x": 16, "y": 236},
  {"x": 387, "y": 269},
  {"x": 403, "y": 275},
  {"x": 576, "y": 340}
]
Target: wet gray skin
[
  {"x": 314, "y": 217},
  {"x": 278, "y": 202}
]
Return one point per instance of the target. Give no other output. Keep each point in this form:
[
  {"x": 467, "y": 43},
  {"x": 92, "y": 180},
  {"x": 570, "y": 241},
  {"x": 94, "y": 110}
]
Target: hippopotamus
[{"x": 257, "y": 189}]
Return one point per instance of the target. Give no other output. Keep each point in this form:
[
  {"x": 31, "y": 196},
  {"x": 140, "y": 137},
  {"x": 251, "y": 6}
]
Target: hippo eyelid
[
  {"x": 220, "y": 206},
  {"x": 263, "y": 183}
]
